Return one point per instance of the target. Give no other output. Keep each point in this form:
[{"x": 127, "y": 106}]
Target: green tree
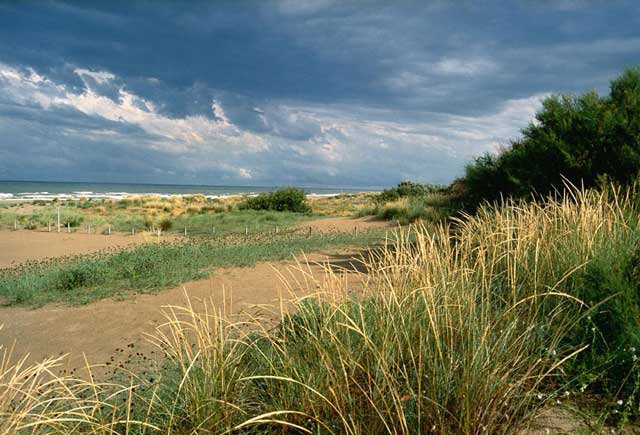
[{"x": 578, "y": 138}]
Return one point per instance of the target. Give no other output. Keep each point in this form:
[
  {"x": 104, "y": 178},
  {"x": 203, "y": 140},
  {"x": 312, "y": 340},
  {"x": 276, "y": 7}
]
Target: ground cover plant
[
  {"x": 155, "y": 266},
  {"x": 464, "y": 331}
]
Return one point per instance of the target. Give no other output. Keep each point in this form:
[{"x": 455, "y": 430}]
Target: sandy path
[
  {"x": 23, "y": 245},
  {"x": 113, "y": 331},
  {"x": 344, "y": 224}
]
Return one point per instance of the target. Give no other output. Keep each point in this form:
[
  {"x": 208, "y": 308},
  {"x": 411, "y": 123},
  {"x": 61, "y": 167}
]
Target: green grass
[
  {"x": 154, "y": 266},
  {"x": 237, "y": 221},
  {"x": 202, "y": 221}
]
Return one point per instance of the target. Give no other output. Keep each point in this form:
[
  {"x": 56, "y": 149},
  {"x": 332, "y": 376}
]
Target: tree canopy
[{"x": 584, "y": 139}]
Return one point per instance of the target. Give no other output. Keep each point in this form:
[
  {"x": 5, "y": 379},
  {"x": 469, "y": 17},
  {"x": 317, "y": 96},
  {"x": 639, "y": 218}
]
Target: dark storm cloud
[{"x": 301, "y": 92}]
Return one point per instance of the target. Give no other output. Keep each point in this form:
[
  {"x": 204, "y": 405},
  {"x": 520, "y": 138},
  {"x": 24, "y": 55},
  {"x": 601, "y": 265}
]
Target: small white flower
[
  {"x": 567, "y": 393},
  {"x": 558, "y": 402},
  {"x": 582, "y": 388},
  {"x": 619, "y": 402},
  {"x": 540, "y": 397},
  {"x": 553, "y": 352}
]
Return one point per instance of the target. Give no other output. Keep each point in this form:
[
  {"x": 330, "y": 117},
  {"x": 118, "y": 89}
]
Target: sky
[{"x": 289, "y": 92}]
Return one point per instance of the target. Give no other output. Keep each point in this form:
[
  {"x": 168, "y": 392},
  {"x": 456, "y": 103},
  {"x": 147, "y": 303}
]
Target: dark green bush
[
  {"x": 611, "y": 363},
  {"x": 576, "y": 138},
  {"x": 165, "y": 224},
  {"x": 286, "y": 199}
]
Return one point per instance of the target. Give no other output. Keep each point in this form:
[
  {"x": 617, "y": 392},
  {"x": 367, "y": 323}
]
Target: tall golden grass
[{"x": 452, "y": 331}]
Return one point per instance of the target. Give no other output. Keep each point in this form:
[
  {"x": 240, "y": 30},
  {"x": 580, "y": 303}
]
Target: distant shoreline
[{"x": 48, "y": 191}]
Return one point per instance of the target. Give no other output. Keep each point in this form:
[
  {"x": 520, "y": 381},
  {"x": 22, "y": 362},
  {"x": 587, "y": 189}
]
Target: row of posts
[
  {"x": 159, "y": 231},
  {"x": 133, "y": 230}
]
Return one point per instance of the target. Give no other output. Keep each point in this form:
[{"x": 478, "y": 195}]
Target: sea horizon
[{"x": 27, "y": 190}]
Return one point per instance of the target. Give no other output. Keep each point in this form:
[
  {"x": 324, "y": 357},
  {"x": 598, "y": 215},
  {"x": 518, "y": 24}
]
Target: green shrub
[
  {"x": 286, "y": 199},
  {"x": 577, "y": 138},
  {"x": 165, "y": 224}
]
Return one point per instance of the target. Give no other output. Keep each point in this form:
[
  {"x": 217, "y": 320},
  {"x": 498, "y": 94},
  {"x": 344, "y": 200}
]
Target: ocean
[{"x": 48, "y": 190}]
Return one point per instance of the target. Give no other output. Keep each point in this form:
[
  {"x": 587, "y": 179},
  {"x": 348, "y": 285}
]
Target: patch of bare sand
[
  {"x": 344, "y": 224},
  {"x": 17, "y": 247},
  {"x": 566, "y": 420},
  {"x": 111, "y": 331}
]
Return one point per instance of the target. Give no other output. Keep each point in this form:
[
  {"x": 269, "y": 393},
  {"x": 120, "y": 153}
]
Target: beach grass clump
[{"x": 462, "y": 332}]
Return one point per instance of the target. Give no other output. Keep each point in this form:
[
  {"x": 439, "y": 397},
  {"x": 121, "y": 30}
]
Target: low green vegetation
[
  {"x": 408, "y": 189},
  {"x": 286, "y": 199},
  {"x": 155, "y": 266},
  {"x": 103, "y": 215},
  {"x": 410, "y": 202}
]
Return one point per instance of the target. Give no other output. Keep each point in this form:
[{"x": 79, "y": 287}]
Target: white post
[
  {"x": 185, "y": 231},
  {"x": 49, "y": 226},
  {"x": 158, "y": 231},
  {"x": 133, "y": 231},
  {"x": 58, "y": 209},
  {"x": 68, "y": 227},
  {"x": 15, "y": 225},
  {"x": 109, "y": 230},
  {"x": 246, "y": 231}
]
